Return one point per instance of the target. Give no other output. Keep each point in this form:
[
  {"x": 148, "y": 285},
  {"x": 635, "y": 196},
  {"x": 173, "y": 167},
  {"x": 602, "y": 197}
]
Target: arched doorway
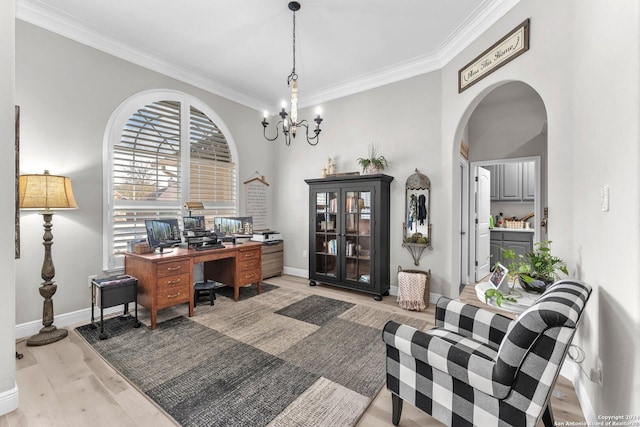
[{"x": 505, "y": 129}]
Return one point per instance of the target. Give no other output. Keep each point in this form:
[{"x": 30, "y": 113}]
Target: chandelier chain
[
  {"x": 289, "y": 123},
  {"x": 293, "y": 75}
]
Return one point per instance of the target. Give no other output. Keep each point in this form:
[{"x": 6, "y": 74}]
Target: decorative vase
[
  {"x": 372, "y": 170},
  {"x": 537, "y": 286}
]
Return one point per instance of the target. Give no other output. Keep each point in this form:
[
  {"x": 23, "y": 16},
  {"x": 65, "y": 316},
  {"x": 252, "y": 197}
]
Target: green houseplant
[
  {"x": 373, "y": 163},
  {"x": 537, "y": 269},
  {"x": 500, "y": 298}
]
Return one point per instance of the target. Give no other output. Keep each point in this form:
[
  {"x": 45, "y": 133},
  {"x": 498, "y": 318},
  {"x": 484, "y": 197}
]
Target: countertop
[{"x": 517, "y": 230}]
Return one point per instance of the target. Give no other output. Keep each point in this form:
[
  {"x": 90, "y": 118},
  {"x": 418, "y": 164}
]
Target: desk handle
[
  {"x": 174, "y": 282},
  {"x": 249, "y": 255},
  {"x": 177, "y": 267},
  {"x": 251, "y": 265},
  {"x": 174, "y": 295},
  {"x": 249, "y": 275}
]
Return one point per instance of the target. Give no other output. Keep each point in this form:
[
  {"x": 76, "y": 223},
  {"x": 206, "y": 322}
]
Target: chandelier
[{"x": 289, "y": 122}]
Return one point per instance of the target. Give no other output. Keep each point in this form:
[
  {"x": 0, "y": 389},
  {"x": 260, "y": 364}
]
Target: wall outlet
[
  {"x": 304, "y": 253},
  {"x": 596, "y": 374},
  {"x": 95, "y": 276}
]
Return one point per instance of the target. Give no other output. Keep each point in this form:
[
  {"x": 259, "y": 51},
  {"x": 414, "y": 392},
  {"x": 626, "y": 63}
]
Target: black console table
[{"x": 112, "y": 291}]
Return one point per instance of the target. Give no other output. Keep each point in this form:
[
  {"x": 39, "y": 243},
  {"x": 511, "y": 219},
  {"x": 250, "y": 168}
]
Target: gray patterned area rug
[{"x": 281, "y": 358}]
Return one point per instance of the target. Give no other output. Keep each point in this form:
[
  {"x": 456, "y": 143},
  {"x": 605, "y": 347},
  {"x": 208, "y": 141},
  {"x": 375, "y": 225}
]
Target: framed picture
[
  {"x": 17, "y": 185},
  {"x": 499, "y": 278},
  {"x": 502, "y": 52}
]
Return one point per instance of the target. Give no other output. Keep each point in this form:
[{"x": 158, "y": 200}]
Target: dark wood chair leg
[
  {"x": 547, "y": 417},
  {"x": 397, "y": 409}
]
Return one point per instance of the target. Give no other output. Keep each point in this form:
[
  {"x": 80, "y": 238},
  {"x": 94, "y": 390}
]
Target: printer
[{"x": 266, "y": 236}]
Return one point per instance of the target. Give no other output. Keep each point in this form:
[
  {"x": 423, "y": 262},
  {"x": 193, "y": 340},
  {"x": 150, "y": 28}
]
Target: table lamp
[{"x": 46, "y": 192}]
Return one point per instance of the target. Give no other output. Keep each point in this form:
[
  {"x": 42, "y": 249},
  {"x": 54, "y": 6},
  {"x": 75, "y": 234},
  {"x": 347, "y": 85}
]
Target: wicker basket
[
  {"x": 427, "y": 288},
  {"x": 514, "y": 224},
  {"x": 142, "y": 248}
]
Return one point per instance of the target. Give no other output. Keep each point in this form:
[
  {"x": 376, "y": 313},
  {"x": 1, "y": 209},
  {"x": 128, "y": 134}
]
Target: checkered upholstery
[{"x": 480, "y": 368}]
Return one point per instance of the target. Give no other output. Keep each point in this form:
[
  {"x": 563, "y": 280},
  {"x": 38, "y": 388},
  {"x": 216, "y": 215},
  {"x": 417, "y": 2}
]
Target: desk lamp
[{"x": 46, "y": 192}]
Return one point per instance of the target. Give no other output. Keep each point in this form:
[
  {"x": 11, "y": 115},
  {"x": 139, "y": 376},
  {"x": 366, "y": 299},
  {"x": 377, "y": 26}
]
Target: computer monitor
[
  {"x": 194, "y": 223},
  {"x": 233, "y": 225},
  {"x": 162, "y": 233}
]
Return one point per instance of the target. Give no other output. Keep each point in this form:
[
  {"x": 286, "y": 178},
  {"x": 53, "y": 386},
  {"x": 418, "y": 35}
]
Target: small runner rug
[{"x": 281, "y": 358}]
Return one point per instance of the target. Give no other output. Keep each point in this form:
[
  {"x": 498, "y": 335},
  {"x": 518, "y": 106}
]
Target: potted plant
[
  {"x": 537, "y": 269},
  {"x": 374, "y": 162}
]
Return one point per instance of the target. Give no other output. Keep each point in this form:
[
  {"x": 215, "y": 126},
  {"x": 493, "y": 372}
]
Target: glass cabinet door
[
  {"x": 357, "y": 220},
  {"x": 326, "y": 234}
]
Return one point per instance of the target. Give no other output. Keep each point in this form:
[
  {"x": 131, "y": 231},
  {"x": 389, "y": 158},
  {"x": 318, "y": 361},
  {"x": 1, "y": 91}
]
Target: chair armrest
[
  {"x": 471, "y": 321},
  {"x": 460, "y": 357}
]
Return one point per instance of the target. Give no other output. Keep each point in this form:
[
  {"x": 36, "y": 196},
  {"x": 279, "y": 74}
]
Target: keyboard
[{"x": 209, "y": 247}]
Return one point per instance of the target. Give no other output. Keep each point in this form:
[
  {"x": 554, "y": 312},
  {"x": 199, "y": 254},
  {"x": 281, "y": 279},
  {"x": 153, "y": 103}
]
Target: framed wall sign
[{"x": 503, "y": 51}]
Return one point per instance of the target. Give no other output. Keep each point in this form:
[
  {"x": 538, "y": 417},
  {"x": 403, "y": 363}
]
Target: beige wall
[
  {"x": 403, "y": 119},
  {"x": 586, "y": 74},
  {"x": 68, "y": 92},
  {"x": 8, "y": 389}
]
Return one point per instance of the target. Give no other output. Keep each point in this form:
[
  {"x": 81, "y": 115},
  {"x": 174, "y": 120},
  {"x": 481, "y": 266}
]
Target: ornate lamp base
[{"x": 47, "y": 335}]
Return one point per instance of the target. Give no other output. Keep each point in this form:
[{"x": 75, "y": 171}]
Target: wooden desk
[{"x": 166, "y": 279}]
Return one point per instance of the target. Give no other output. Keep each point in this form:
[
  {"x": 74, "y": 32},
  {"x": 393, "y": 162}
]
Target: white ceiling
[{"x": 242, "y": 50}]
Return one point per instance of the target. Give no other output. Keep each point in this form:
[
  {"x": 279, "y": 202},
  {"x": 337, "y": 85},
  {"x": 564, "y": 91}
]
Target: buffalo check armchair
[{"x": 479, "y": 368}]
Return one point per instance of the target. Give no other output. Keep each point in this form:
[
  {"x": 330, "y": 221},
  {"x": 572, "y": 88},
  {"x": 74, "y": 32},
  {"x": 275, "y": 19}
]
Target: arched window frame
[{"x": 113, "y": 132}]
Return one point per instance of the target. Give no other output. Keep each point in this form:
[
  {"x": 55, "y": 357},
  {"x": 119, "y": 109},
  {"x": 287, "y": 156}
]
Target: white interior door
[{"x": 483, "y": 211}]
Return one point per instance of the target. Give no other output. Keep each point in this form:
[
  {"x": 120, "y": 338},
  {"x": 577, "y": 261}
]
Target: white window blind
[{"x": 163, "y": 159}]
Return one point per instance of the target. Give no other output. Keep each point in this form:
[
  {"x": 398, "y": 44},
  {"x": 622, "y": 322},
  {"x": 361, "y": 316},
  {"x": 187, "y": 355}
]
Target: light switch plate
[{"x": 604, "y": 198}]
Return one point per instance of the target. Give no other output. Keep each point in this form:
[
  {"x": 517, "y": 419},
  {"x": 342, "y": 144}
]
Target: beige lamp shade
[{"x": 46, "y": 192}]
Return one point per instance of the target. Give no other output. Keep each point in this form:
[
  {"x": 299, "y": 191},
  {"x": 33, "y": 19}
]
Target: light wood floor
[{"x": 67, "y": 384}]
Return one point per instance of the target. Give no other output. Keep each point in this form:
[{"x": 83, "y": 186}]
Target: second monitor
[{"x": 162, "y": 233}]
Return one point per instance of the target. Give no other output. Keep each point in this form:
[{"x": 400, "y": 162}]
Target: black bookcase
[{"x": 349, "y": 232}]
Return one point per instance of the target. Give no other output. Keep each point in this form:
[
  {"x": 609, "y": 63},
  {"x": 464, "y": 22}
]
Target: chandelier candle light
[{"x": 290, "y": 122}]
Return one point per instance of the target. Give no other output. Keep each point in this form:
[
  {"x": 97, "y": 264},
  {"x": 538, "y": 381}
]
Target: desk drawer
[
  {"x": 245, "y": 265},
  {"x": 250, "y": 254},
  {"x": 172, "y": 282},
  {"x": 171, "y": 295},
  {"x": 172, "y": 268},
  {"x": 248, "y": 277}
]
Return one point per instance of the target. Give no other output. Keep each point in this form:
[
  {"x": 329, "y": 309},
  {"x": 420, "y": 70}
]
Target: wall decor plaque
[{"x": 503, "y": 51}]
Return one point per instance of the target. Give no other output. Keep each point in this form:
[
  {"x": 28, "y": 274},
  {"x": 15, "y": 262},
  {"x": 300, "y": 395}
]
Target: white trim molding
[
  {"x": 9, "y": 400},
  {"x": 48, "y": 17},
  {"x": 75, "y": 318}
]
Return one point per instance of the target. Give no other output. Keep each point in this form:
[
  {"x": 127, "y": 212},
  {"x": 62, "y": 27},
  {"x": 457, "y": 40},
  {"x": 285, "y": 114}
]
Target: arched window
[{"x": 164, "y": 149}]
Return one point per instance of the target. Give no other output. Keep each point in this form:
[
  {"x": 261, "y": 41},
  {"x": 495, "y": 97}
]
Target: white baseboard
[
  {"x": 572, "y": 372},
  {"x": 63, "y": 320},
  {"x": 9, "y": 400},
  {"x": 298, "y": 272},
  {"x": 433, "y": 298}
]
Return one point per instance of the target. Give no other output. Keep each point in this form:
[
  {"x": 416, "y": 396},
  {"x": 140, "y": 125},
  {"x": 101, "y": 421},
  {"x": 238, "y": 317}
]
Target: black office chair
[{"x": 208, "y": 288}]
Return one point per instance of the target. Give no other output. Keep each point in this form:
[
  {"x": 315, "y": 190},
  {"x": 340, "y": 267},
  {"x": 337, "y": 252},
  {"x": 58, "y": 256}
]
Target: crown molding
[
  {"x": 49, "y": 18},
  {"x": 394, "y": 73},
  {"x": 473, "y": 27}
]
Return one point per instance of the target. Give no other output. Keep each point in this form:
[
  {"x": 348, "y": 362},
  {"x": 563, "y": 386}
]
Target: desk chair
[
  {"x": 480, "y": 368},
  {"x": 208, "y": 288}
]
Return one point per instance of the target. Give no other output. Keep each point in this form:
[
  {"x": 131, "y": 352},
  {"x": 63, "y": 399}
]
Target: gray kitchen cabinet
[
  {"x": 528, "y": 181},
  {"x": 514, "y": 182},
  {"x": 494, "y": 251},
  {"x": 495, "y": 181},
  {"x": 521, "y": 242},
  {"x": 511, "y": 181}
]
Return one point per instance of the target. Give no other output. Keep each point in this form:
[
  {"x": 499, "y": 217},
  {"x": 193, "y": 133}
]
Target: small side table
[{"x": 112, "y": 291}]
